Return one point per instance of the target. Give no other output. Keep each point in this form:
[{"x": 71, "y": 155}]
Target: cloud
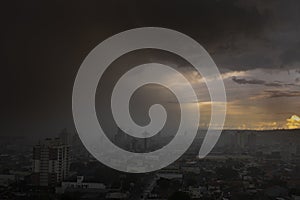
[
  {"x": 277, "y": 94},
  {"x": 250, "y": 81},
  {"x": 293, "y": 122},
  {"x": 274, "y": 84},
  {"x": 37, "y": 43},
  {"x": 269, "y": 94},
  {"x": 260, "y": 82},
  {"x": 240, "y": 35},
  {"x": 276, "y": 45},
  {"x": 291, "y": 55}
]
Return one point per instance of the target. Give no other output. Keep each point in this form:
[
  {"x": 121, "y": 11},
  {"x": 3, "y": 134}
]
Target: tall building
[
  {"x": 252, "y": 141},
  {"x": 238, "y": 139},
  {"x": 51, "y": 162},
  {"x": 241, "y": 139}
]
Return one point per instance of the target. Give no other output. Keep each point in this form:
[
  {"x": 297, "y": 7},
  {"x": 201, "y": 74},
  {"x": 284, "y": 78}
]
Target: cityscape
[
  {"x": 150, "y": 100},
  {"x": 244, "y": 164}
]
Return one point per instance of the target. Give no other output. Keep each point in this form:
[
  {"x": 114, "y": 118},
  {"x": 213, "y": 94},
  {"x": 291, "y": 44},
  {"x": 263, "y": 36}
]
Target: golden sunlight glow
[{"x": 293, "y": 122}]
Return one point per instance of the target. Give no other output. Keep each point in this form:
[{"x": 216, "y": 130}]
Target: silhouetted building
[{"x": 51, "y": 162}]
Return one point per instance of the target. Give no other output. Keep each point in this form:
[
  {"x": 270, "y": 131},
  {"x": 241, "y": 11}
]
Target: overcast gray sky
[{"x": 256, "y": 45}]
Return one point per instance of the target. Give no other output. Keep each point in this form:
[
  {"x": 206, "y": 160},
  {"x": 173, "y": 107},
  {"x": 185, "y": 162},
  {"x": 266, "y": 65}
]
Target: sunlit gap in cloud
[
  {"x": 258, "y": 99},
  {"x": 293, "y": 122}
]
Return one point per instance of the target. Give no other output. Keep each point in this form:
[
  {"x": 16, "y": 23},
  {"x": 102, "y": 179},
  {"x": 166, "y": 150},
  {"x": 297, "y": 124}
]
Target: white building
[
  {"x": 79, "y": 184},
  {"x": 51, "y": 162}
]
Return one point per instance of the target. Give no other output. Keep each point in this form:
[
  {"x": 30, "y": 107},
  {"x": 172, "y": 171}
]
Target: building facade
[{"x": 51, "y": 162}]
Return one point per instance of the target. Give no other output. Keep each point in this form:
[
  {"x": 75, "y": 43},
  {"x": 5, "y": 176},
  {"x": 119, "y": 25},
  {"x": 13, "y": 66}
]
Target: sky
[{"x": 255, "y": 44}]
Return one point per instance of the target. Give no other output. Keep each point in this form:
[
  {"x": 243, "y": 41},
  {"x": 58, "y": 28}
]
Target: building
[
  {"x": 251, "y": 142},
  {"x": 51, "y": 162},
  {"x": 80, "y": 185},
  {"x": 7, "y": 179},
  {"x": 241, "y": 139}
]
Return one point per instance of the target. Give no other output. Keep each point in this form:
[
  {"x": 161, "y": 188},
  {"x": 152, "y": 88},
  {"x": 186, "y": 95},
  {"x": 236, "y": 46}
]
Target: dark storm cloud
[
  {"x": 261, "y": 82},
  {"x": 274, "y": 45},
  {"x": 240, "y": 35},
  {"x": 44, "y": 42},
  {"x": 250, "y": 81},
  {"x": 292, "y": 54}
]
